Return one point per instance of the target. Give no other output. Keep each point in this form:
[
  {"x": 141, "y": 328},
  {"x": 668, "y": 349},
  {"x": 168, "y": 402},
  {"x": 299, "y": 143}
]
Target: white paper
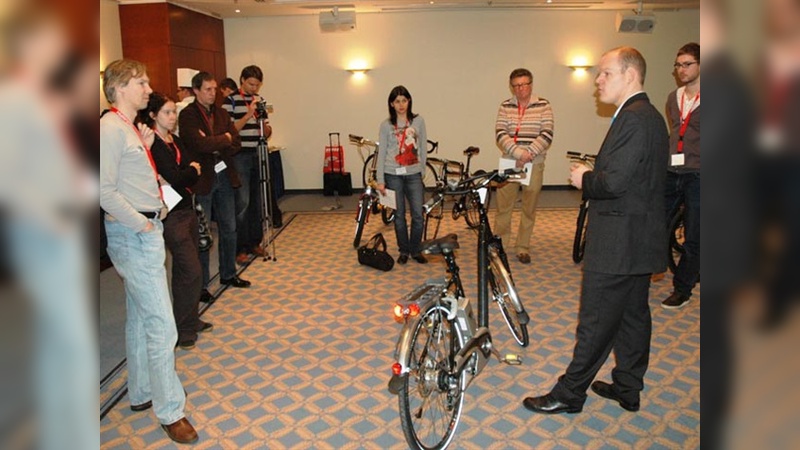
[
  {"x": 389, "y": 200},
  {"x": 220, "y": 166},
  {"x": 508, "y": 163},
  {"x": 171, "y": 196},
  {"x": 677, "y": 159}
]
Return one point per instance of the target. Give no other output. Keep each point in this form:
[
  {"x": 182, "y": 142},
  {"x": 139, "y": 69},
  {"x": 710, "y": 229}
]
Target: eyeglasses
[
  {"x": 685, "y": 65},
  {"x": 521, "y": 85}
]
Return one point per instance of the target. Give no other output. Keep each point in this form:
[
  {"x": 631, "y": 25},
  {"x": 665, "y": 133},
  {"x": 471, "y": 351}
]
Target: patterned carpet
[{"x": 301, "y": 359}]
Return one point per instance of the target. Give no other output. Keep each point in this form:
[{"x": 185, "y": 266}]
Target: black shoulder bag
[{"x": 374, "y": 254}]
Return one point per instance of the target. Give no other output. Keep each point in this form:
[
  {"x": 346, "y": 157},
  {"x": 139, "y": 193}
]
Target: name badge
[
  {"x": 220, "y": 166},
  {"x": 400, "y": 171},
  {"x": 677, "y": 159}
]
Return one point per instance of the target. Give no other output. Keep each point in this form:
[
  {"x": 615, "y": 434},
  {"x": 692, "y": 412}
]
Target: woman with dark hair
[
  {"x": 401, "y": 164},
  {"x": 181, "y": 230}
]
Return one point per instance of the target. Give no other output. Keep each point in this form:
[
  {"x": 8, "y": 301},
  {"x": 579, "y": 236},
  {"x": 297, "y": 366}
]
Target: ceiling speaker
[{"x": 637, "y": 23}]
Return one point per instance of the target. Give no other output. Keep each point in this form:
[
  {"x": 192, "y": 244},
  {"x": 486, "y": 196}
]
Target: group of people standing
[{"x": 145, "y": 162}]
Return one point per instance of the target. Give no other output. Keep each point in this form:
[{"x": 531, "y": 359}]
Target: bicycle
[
  {"x": 579, "y": 241},
  {"x": 442, "y": 347},
  {"x": 369, "y": 199},
  {"x": 466, "y": 205}
]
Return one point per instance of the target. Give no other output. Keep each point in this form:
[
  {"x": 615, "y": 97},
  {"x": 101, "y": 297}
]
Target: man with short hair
[
  {"x": 524, "y": 132},
  {"x": 683, "y": 174},
  {"x": 624, "y": 243},
  {"x": 210, "y": 134},
  {"x": 131, "y": 198},
  {"x": 244, "y": 113}
]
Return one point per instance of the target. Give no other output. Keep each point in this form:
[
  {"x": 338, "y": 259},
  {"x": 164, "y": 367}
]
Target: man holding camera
[{"x": 246, "y": 110}]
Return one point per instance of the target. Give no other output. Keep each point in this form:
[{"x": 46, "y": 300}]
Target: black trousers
[
  {"x": 181, "y": 237},
  {"x": 614, "y": 315}
]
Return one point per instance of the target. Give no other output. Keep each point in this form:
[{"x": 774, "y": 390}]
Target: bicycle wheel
[
  {"x": 361, "y": 219},
  {"x": 429, "y": 177},
  {"x": 432, "y": 221},
  {"x": 366, "y": 171},
  {"x": 579, "y": 243},
  {"x": 505, "y": 295},
  {"x": 676, "y": 240},
  {"x": 387, "y": 215},
  {"x": 431, "y": 397},
  {"x": 471, "y": 210}
]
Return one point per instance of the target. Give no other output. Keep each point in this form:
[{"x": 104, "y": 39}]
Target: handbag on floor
[{"x": 374, "y": 254}]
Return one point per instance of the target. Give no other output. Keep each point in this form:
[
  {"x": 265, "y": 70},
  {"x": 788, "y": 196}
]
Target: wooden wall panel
[
  {"x": 194, "y": 30},
  {"x": 142, "y": 25},
  {"x": 157, "y": 60}
]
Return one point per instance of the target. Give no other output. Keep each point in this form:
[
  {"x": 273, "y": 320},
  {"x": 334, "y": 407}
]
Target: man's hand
[
  {"x": 251, "y": 107},
  {"x": 576, "y": 172},
  {"x": 196, "y": 166},
  {"x": 147, "y": 134},
  {"x": 147, "y": 228},
  {"x": 228, "y": 135},
  {"x": 201, "y": 133}
]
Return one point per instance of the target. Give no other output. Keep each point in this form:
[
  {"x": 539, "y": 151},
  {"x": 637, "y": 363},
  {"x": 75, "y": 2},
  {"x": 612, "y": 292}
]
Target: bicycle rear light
[
  {"x": 401, "y": 312},
  {"x": 396, "y": 369}
]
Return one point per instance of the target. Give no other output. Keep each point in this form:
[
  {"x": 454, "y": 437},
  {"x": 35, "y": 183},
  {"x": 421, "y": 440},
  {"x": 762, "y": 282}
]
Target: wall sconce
[
  {"x": 580, "y": 70},
  {"x": 359, "y": 73}
]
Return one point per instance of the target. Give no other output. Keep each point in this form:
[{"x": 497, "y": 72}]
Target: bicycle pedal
[{"x": 512, "y": 360}]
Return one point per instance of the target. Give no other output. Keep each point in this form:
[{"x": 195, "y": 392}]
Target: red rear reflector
[{"x": 396, "y": 368}]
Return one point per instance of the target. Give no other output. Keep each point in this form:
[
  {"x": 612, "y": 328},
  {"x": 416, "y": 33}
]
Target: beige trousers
[{"x": 506, "y": 198}]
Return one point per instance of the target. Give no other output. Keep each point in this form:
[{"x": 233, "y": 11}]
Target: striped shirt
[
  {"x": 533, "y": 128},
  {"x": 236, "y": 105}
]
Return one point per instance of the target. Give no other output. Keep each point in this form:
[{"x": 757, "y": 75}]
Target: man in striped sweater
[{"x": 524, "y": 132}]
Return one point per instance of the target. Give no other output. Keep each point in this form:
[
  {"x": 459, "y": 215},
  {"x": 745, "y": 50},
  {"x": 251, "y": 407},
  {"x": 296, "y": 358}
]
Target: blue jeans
[
  {"x": 684, "y": 188},
  {"x": 407, "y": 187},
  {"x": 248, "y": 202},
  {"x": 150, "y": 333},
  {"x": 222, "y": 204}
]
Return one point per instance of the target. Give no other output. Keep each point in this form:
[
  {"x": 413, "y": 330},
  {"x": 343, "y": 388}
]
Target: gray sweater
[{"x": 389, "y": 148}]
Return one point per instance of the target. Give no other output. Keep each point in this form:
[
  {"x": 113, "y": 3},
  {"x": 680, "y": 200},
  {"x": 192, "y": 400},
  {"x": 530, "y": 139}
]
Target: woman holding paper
[
  {"x": 401, "y": 164},
  {"x": 178, "y": 172}
]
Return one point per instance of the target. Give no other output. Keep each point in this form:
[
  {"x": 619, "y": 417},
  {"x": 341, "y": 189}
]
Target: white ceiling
[{"x": 254, "y": 8}]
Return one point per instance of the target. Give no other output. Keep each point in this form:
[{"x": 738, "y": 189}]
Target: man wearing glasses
[
  {"x": 683, "y": 173},
  {"x": 524, "y": 132}
]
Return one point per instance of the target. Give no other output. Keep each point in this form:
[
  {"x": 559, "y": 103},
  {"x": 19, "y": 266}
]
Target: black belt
[{"x": 150, "y": 215}]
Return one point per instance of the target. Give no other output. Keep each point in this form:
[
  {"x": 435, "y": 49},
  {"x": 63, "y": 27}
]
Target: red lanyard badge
[
  {"x": 146, "y": 148},
  {"x": 686, "y": 114}
]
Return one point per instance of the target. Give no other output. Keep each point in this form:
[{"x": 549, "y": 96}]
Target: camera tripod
[{"x": 267, "y": 244}]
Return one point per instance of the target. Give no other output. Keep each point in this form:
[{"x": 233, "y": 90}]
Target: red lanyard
[
  {"x": 172, "y": 145},
  {"x": 520, "y": 115},
  {"x": 685, "y": 121},
  {"x": 146, "y": 148}
]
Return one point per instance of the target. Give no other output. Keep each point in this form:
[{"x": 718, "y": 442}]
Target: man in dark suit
[{"x": 625, "y": 243}]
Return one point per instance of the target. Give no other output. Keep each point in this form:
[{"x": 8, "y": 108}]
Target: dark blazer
[
  {"x": 181, "y": 176},
  {"x": 626, "y": 233},
  {"x": 212, "y": 147}
]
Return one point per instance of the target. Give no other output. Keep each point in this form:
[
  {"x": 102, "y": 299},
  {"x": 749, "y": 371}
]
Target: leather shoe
[
  {"x": 402, "y": 259},
  {"x": 258, "y": 251},
  {"x": 524, "y": 258},
  {"x": 206, "y": 297},
  {"x": 420, "y": 259},
  {"x": 242, "y": 258},
  {"x": 181, "y": 431},
  {"x": 547, "y": 404},
  {"x": 608, "y": 391},
  {"x": 235, "y": 282},
  {"x": 187, "y": 344},
  {"x": 204, "y": 326},
  {"x": 144, "y": 406}
]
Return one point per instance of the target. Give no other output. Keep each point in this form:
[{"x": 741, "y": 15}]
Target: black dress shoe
[
  {"x": 608, "y": 391},
  {"x": 547, "y": 404},
  {"x": 402, "y": 259},
  {"x": 187, "y": 344},
  {"x": 420, "y": 259},
  {"x": 235, "y": 282},
  {"x": 204, "y": 326},
  {"x": 206, "y": 297},
  {"x": 144, "y": 406}
]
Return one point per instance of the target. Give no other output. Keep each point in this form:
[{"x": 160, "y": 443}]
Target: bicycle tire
[
  {"x": 432, "y": 222},
  {"x": 579, "y": 243},
  {"x": 429, "y": 178},
  {"x": 676, "y": 240},
  {"x": 472, "y": 210},
  {"x": 365, "y": 176},
  {"x": 507, "y": 299},
  {"x": 387, "y": 215},
  {"x": 430, "y": 400},
  {"x": 361, "y": 219}
]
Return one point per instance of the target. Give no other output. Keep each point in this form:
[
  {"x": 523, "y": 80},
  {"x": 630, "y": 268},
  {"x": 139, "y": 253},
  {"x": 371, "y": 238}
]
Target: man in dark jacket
[
  {"x": 208, "y": 131},
  {"x": 625, "y": 243}
]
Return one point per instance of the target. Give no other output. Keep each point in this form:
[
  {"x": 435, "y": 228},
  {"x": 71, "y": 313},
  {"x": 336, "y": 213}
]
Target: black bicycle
[
  {"x": 369, "y": 201},
  {"x": 442, "y": 347},
  {"x": 466, "y": 205},
  {"x": 579, "y": 241}
]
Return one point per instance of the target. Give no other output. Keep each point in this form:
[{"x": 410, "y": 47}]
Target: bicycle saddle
[
  {"x": 441, "y": 246},
  {"x": 472, "y": 151}
]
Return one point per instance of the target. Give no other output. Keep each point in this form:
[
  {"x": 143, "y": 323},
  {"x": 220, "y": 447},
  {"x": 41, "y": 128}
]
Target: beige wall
[
  {"x": 110, "y": 38},
  {"x": 455, "y": 65}
]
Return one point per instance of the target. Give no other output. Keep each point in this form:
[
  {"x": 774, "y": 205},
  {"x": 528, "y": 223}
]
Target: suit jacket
[
  {"x": 212, "y": 147},
  {"x": 626, "y": 233}
]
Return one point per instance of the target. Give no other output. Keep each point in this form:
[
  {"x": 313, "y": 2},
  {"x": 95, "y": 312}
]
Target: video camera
[{"x": 261, "y": 109}]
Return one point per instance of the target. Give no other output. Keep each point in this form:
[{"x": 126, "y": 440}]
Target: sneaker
[{"x": 675, "y": 301}]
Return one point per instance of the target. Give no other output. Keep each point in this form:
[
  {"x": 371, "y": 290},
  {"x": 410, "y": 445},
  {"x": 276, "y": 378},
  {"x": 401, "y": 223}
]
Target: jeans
[
  {"x": 407, "y": 187},
  {"x": 150, "y": 333},
  {"x": 222, "y": 203},
  {"x": 182, "y": 236},
  {"x": 684, "y": 188},
  {"x": 248, "y": 202},
  {"x": 506, "y": 197}
]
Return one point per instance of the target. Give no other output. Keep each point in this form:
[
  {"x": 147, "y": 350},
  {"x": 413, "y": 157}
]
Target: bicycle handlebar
[
  {"x": 576, "y": 156},
  {"x": 434, "y": 146},
  {"x": 360, "y": 141}
]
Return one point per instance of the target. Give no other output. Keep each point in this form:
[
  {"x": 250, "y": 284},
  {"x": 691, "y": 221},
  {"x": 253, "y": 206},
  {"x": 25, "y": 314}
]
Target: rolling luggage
[{"x": 334, "y": 178}]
